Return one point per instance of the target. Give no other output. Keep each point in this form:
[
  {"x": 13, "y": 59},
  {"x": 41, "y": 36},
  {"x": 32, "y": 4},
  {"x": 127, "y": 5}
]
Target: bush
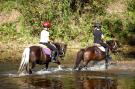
[{"x": 71, "y": 19}]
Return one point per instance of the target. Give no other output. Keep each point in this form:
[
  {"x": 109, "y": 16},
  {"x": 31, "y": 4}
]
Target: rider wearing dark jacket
[{"x": 98, "y": 38}]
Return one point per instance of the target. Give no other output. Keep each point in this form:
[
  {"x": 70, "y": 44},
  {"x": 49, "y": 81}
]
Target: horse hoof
[
  {"x": 30, "y": 72},
  {"x": 79, "y": 69}
]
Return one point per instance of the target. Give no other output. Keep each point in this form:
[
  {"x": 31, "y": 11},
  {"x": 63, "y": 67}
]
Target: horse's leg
[
  {"x": 30, "y": 70},
  {"x": 47, "y": 65},
  {"x": 86, "y": 67},
  {"x": 29, "y": 67},
  {"x": 94, "y": 63},
  {"x": 106, "y": 63},
  {"x": 59, "y": 65},
  {"x": 79, "y": 58},
  {"x": 83, "y": 65}
]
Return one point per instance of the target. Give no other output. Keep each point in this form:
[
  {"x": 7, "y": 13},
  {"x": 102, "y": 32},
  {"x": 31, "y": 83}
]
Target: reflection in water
[
  {"x": 67, "y": 80},
  {"x": 92, "y": 82},
  {"x": 99, "y": 83},
  {"x": 41, "y": 83}
]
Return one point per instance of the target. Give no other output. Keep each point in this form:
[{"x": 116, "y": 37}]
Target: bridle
[
  {"x": 61, "y": 51},
  {"x": 113, "y": 46}
]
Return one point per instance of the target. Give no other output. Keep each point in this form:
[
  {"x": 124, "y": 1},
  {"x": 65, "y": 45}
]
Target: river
[{"x": 65, "y": 79}]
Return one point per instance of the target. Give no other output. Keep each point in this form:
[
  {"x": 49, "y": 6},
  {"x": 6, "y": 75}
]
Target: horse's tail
[
  {"x": 79, "y": 57},
  {"x": 25, "y": 59}
]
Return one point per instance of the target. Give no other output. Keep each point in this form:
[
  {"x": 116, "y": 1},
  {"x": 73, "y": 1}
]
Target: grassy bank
[{"x": 72, "y": 21}]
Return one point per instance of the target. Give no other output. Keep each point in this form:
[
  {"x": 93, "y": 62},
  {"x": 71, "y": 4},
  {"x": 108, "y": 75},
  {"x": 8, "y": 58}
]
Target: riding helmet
[{"x": 46, "y": 24}]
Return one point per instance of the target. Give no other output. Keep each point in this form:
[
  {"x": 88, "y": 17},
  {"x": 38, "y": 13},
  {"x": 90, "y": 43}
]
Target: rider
[
  {"x": 99, "y": 39},
  {"x": 44, "y": 39}
]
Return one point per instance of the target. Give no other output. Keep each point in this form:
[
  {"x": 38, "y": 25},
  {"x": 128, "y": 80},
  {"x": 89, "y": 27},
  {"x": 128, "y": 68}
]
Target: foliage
[
  {"x": 6, "y": 5},
  {"x": 71, "y": 19},
  {"x": 131, "y": 5}
]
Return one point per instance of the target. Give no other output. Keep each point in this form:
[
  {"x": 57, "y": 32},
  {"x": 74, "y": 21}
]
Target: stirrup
[
  {"x": 53, "y": 61},
  {"x": 109, "y": 58}
]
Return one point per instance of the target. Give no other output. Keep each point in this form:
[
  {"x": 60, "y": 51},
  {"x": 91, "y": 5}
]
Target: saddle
[
  {"x": 45, "y": 49},
  {"x": 100, "y": 47}
]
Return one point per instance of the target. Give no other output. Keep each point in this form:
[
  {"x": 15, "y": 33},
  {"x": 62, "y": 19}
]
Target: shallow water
[{"x": 65, "y": 79}]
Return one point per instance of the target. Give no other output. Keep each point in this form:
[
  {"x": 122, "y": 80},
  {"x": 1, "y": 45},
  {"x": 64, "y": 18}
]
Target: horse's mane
[{"x": 57, "y": 44}]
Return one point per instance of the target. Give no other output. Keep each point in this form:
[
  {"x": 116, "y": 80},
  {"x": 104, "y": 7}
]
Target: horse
[
  {"x": 94, "y": 53},
  {"x": 35, "y": 55}
]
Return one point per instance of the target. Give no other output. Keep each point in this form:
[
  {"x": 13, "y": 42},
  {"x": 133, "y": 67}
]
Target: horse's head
[
  {"x": 61, "y": 49},
  {"x": 113, "y": 45}
]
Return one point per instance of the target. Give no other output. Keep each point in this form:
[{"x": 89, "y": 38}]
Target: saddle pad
[
  {"x": 46, "y": 51},
  {"x": 102, "y": 48},
  {"x": 42, "y": 46}
]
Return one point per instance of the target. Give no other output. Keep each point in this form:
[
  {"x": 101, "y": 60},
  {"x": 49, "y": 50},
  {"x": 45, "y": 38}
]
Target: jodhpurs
[{"x": 50, "y": 46}]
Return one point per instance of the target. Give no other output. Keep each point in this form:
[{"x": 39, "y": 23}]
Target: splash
[{"x": 52, "y": 70}]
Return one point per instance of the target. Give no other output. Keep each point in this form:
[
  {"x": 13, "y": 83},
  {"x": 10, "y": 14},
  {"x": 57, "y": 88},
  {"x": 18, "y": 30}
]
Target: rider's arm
[{"x": 102, "y": 38}]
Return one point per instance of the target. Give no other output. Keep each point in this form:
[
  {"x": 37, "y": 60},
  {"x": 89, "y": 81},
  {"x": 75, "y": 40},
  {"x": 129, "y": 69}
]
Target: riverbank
[{"x": 13, "y": 51}]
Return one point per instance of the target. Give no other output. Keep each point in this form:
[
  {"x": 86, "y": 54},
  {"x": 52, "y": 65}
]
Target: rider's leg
[
  {"x": 108, "y": 57},
  {"x": 53, "y": 56},
  {"x": 54, "y": 52}
]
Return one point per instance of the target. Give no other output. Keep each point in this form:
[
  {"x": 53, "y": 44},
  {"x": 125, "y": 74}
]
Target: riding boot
[
  {"x": 53, "y": 56},
  {"x": 108, "y": 57}
]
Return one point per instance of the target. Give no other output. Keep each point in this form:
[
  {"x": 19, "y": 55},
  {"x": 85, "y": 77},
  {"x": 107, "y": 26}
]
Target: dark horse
[
  {"x": 93, "y": 53},
  {"x": 35, "y": 55}
]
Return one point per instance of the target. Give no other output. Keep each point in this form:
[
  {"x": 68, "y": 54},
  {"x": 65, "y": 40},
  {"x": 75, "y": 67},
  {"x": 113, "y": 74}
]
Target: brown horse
[
  {"x": 93, "y": 53},
  {"x": 35, "y": 55}
]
